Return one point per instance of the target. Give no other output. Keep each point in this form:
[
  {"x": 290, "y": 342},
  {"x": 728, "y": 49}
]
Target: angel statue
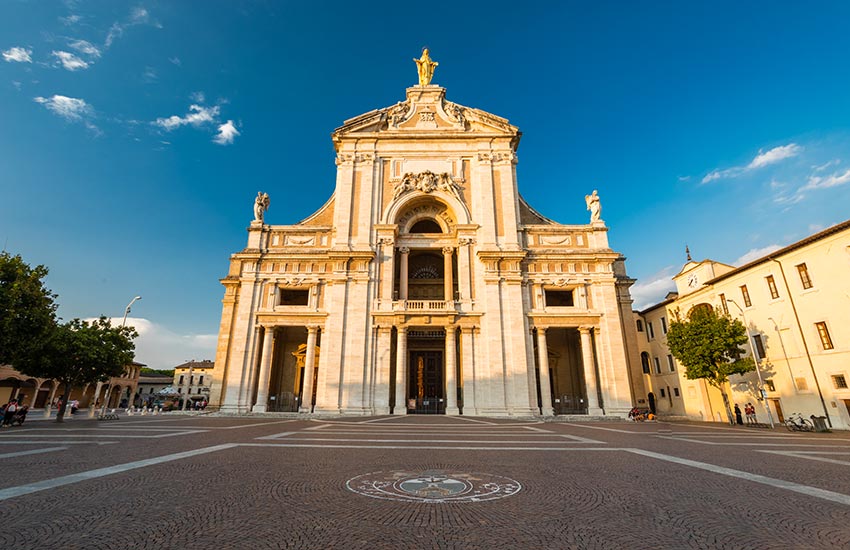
[
  {"x": 594, "y": 206},
  {"x": 425, "y": 66},
  {"x": 261, "y": 204}
]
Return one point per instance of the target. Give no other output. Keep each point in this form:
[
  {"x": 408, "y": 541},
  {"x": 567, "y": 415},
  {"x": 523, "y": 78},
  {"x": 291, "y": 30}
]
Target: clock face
[{"x": 693, "y": 281}]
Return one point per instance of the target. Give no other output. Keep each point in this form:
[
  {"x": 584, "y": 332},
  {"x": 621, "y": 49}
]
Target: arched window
[
  {"x": 426, "y": 226},
  {"x": 644, "y": 361}
]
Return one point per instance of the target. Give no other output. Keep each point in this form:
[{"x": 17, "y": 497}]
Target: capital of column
[
  {"x": 542, "y": 330},
  {"x": 312, "y": 329},
  {"x": 403, "y": 250},
  {"x": 586, "y": 330},
  {"x": 448, "y": 251}
]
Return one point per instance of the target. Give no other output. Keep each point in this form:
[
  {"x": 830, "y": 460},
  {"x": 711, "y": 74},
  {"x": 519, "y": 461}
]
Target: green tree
[
  {"x": 709, "y": 346},
  {"x": 27, "y": 308},
  {"x": 80, "y": 352}
]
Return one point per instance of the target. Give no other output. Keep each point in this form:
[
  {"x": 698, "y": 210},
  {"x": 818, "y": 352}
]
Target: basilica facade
[{"x": 426, "y": 284}]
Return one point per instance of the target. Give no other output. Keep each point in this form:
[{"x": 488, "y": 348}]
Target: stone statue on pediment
[
  {"x": 261, "y": 204},
  {"x": 594, "y": 206},
  {"x": 398, "y": 113},
  {"x": 425, "y": 66}
]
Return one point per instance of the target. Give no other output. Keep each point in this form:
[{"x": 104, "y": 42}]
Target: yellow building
[{"x": 795, "y": 303}]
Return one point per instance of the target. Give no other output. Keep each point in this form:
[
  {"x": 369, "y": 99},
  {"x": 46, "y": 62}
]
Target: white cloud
[
  {"x": 227, "y": 132},
  {"x": 17, "y": 54},
  {"x": 198, "y": 97},
  {"x": 761, "y": 160},
  {"x": 85, "y": 47},
  {"x": 175, "y": 60},
  {"x": 69, "y": 108},
  {"x": 775, "y": 155},
  {"x": 162, "y": 348},
  {"x": 197, "y": 116},
  {"x": 755, "y": 254},
  {"x": 649, "y": 292},
  {"x": 833, "y": 180},
  {"x": 70, "y": 61}
]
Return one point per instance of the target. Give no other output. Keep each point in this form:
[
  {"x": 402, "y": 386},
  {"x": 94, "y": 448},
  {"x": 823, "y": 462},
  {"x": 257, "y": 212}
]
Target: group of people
[
  {"x": 13, "y": 413},
  {"x": 749, "y": 412}
]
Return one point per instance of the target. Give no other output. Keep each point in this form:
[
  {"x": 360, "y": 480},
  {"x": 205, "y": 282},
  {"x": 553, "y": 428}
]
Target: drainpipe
[{"x": 803, "y": 337}]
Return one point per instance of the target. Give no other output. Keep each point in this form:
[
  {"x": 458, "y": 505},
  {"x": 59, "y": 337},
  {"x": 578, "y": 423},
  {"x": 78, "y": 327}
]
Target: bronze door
[{"x": 426, "y": 383}]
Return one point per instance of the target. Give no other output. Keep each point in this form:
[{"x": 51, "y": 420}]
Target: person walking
[{"x": 738, "y": 419}]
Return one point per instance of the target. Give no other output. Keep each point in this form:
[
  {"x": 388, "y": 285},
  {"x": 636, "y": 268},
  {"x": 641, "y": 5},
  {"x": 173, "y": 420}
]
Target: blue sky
[{"x": 134, "y": 136}]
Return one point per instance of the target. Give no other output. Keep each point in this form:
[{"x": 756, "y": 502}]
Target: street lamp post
[
  {"x": 109, "y": 386},
  {"x": 756, "y": 361}
]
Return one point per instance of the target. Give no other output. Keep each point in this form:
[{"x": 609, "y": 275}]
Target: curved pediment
[{"x": 426, "y": 110}]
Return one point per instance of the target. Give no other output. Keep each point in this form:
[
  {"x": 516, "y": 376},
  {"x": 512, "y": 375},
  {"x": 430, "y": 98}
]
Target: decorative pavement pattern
[{"x": 438, "y": 482}]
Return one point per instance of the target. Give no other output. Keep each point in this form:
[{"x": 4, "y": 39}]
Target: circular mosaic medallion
[{"x": 433, "y": 486}]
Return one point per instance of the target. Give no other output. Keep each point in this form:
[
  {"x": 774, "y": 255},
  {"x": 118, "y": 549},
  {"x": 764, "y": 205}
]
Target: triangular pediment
[{"x": 427, "y": 111}]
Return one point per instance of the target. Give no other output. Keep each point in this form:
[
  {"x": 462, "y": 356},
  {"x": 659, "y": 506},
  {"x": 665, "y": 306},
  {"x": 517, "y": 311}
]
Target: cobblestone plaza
[{"x": 419, "y": 482}]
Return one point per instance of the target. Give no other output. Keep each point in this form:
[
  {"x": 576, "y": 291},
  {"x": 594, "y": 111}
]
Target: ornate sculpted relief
[
  {"x": 300, "y": 241},
  {"x": 344, "y": 158},
  {"x": 455, "y": 111},
  {"x": 555, "y": 239},
  {"x": 425, "y": 210},
  {"x": 398, "y": 113},
  {"x": 426, "y": 182}
]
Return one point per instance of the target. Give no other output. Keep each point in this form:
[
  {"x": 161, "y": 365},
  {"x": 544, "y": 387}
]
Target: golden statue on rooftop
[{"x": 425, "y": 66}]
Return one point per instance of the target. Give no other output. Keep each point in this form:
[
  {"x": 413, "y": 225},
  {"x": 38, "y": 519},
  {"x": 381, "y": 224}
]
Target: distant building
[
  {"x": 149, "y": 385},
  {"x": 796, "y": 302},
  {"x": 38, "y": 392},
  {"x": 194, "y": 378}
]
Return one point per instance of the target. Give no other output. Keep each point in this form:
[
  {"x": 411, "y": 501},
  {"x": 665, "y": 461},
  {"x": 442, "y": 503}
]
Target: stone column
[
  {"x": 401, "y": 371},
  {"x": 402, "y": 279},
  {"x": 306, "y": 405},
  {"x": 265, "y": 372},
  {"x": 381, "y": 401},
  {"x": 95, "y": 397},
  {"x": 589, "y": 371},
  {"x": 447, "y": 274},
  {"x": 543, "y": 362},
  {"x": 467, "y": 369},
  {"x": 451, "y": 372}
]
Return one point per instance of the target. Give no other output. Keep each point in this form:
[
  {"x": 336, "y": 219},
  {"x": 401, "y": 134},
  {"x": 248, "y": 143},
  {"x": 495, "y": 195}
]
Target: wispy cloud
[
  {"x": 70, "y": 61},
  {"x": 138, "y": 16},
  {"x": 175, "y": 61},
  {"x": 85, "y": 47},
  {"x": 653, "y": 289},
  {"x": 198, "y": 115},
  {"x": 761, "y": 160},
  {"x": 755, "y": 254},
  {"x": 823, "y": 182},
  {"x": 227, "y": 132},
  {"x": 71, "y": 109},
  {"x": 825, "y": 165},
  {"x": 149, "y": 75},
  {"x": 70, "y": 20},
  {"x": 775, "y": 155},
  {"x": 18, "y": 55}
]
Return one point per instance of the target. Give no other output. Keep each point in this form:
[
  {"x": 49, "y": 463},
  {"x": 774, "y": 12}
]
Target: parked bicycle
[{"x": 796, "y": 423}]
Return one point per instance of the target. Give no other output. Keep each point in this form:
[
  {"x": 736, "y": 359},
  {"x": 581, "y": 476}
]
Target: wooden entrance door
[{"x": 426, "y": 383}]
